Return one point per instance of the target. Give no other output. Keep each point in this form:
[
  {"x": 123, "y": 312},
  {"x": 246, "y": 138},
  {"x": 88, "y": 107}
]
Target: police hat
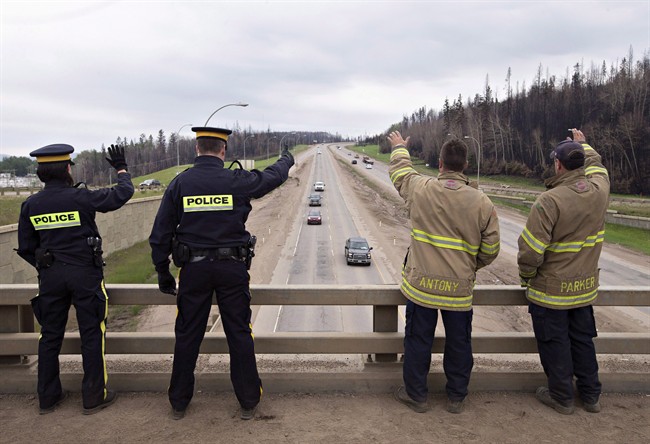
[
  {"x": 59, "y": 152},
  {"x": 215, "y": 133}
]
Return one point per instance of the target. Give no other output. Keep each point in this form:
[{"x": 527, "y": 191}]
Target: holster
[
  {"x": 95, "y": 243},
  {"x": 44, "y": 259},
  {"x": 250, "y": 251},
  {"x": 98, "y": 258},
  {"x": 180, "y": 253}
]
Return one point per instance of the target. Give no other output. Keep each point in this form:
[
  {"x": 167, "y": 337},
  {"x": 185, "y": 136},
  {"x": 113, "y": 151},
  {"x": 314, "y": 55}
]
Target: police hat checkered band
[
  {"x": 216, "y": 133},
  {"x": 565, "y": 149},
  {"x": 59, "y": 152}
]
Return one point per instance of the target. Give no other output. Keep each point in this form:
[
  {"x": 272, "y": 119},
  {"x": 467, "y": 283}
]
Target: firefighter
[
  {"x": 201, "y": 223},
  {"x": 455, "y": 231},
  {"x": 57, "y": 234},
  {"x": 558, "y": 264}
]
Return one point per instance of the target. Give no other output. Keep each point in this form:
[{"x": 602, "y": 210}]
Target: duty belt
[{"x": 224, "y": 253}]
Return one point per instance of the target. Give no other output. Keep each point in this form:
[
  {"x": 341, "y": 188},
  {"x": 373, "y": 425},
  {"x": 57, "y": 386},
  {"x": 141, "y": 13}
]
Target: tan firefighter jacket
[
  {"x": 455, "y": 231},
  {"x": 561, "y": 243}
]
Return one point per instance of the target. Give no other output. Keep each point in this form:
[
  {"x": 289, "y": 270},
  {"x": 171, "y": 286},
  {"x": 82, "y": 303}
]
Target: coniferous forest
[{"x": 514, "y": 134}]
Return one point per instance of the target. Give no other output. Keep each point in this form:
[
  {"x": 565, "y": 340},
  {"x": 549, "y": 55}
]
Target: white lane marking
[
  {"x": 216, "y": 324},
  {"x": 295, "y": 248},
  {"x": 277, "y": 320}
]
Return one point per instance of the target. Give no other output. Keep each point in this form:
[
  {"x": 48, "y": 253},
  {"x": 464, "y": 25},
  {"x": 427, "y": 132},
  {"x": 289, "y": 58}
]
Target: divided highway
[{"x": 314, "y": 254}]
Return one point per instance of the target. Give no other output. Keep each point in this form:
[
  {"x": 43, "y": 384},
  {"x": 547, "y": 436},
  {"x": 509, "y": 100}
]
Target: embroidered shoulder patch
[{"x": 451, "y": 184}]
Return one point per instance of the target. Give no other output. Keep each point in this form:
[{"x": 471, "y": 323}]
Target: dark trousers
[
  {"x": 198, "y": 282},
  {"x": 566, "y": 348},
  {"x": 59, "y": 286},
  {"x": 418, "y": 340}
]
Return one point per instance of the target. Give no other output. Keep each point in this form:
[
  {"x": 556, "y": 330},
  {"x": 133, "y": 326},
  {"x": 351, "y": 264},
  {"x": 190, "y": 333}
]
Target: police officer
[
  {"x": 201, "y": 222},
  {"x": 455, "y": 231},
  {"x": 57, "y": 234},
  {"x": 558, "y": 263}
]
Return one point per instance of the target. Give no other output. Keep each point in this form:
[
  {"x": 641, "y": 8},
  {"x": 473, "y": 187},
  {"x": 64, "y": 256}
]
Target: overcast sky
[{"x": 85, "y": 73}]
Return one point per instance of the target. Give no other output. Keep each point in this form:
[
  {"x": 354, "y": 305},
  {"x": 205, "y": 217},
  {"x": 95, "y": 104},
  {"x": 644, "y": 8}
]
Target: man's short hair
[
  {"x": 210, "y": 145},
  {"x": 454, "y": 155}
]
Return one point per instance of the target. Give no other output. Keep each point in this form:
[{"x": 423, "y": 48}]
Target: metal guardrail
[{"x": 18, "y": 337}]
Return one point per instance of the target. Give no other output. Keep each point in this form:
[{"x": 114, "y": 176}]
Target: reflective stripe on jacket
[
  {"x": 561, "y": 243},
  {"x": 455, "y": 231}
]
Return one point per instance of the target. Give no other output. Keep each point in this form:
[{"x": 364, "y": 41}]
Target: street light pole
[
  {"x": 245, "y": 139},
  {"x": 281, "y": 139},
  {"x": 222, "y": 107},
  {"x": 178, "y": 155},
  {"x": 478, "y": 158},
  {"x": 267, "y": 146}
]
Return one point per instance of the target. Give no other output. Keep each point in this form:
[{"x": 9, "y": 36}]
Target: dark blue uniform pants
[
  {"x": 59, "y": 286},
  {"x": 418, "y": 340},
  {"x": 198, "y": 282},
  {"x": 566, "y": 348}
]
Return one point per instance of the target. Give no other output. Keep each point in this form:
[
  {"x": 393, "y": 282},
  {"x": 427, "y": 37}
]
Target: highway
[
  {"x": 313, "y": 254},
  {"x": 613, "y": 270}
]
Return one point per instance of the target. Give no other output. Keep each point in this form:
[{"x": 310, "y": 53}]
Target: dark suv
[
  {"x": 314, "y": 200},
  {"x": 149, "y": 183},
  {"x": 357, "y": 251}
]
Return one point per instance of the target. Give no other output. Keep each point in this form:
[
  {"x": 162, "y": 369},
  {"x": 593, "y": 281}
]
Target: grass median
[{"x": 636, "y": 239}]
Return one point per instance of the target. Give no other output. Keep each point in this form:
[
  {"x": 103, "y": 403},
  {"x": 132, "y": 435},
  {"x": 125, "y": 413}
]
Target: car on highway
[
  {"x": 357, "y": 251},
  {"x": 149, "y": 184},
  {"x": 314, "y": 217},
  {"x": 319, "y": 186},
  {"x": 354, "y": 161},
  {"x": 315, "y": 200},
  {"x": 319, "y": 152},
  {"x": 368, "y": 166}
]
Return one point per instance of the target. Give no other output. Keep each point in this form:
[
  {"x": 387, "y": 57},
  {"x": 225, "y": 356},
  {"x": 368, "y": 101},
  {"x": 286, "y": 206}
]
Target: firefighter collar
[
  {"x": 453, "y": 180},
  {"x": 567, "y": 179}
]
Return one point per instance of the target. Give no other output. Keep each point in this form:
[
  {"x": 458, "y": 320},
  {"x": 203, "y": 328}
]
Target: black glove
[
  {"x": 116, "y": 158},
  {"x": 287, "y": 153},
  {"x": 166, "y": 282}
]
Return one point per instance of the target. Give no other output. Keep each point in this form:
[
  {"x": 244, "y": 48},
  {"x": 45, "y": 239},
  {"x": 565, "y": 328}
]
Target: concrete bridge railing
[{"x": 19, "y": 339}]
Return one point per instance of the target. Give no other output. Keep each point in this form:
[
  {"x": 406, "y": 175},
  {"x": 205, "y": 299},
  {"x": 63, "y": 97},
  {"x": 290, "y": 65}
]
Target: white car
[
  {"x": 319, "y": 186},
  {"x": 368, "y": 166}
]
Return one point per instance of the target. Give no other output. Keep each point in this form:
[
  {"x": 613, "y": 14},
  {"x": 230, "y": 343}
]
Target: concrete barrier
[{"x": 629, "y": 221}]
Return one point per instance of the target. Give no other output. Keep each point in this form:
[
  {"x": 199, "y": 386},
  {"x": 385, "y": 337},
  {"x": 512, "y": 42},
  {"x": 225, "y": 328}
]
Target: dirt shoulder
[{"x": 326, "y": 418}]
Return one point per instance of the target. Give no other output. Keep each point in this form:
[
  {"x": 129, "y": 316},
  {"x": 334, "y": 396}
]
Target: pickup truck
[{"x": 357, "y": 251}]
